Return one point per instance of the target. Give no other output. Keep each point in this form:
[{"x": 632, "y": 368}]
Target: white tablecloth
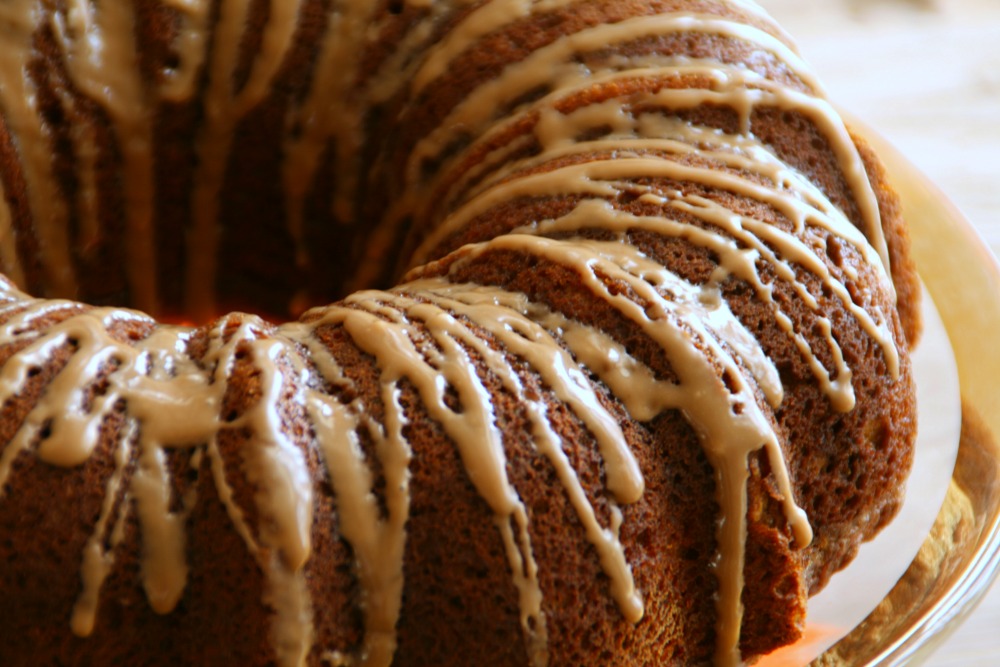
[{"x": 925, "y": 74}]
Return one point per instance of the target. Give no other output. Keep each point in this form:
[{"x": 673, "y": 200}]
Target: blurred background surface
[{"x": 925, "y": 74}]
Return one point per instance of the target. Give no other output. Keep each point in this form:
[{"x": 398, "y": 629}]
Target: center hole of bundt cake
[{"x": 259, "y": 272}]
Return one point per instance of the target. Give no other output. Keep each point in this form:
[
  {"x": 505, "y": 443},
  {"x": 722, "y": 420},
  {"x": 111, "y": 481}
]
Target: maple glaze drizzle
[{"x": 174, "y": 400}]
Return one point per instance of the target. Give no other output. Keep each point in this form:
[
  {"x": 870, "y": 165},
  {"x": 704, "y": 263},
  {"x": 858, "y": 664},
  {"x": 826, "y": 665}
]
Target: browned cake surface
[{"x": 572, "y": 196}]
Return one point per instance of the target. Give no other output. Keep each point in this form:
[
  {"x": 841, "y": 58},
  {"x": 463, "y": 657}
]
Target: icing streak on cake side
[
  {"x": 642, "y": 389},
  {"x": 175, "y": 401}
]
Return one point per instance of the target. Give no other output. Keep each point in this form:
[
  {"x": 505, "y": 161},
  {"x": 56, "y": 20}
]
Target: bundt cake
[{"x": 642, "y": 387}]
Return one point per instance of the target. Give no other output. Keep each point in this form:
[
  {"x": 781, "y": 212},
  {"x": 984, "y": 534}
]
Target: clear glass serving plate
[{"x": 960, "y": 557}]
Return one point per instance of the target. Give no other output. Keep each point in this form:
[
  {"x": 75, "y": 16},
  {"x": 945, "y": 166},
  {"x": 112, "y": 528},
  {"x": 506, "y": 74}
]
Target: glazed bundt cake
[{"x": 642, "y": 387}]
